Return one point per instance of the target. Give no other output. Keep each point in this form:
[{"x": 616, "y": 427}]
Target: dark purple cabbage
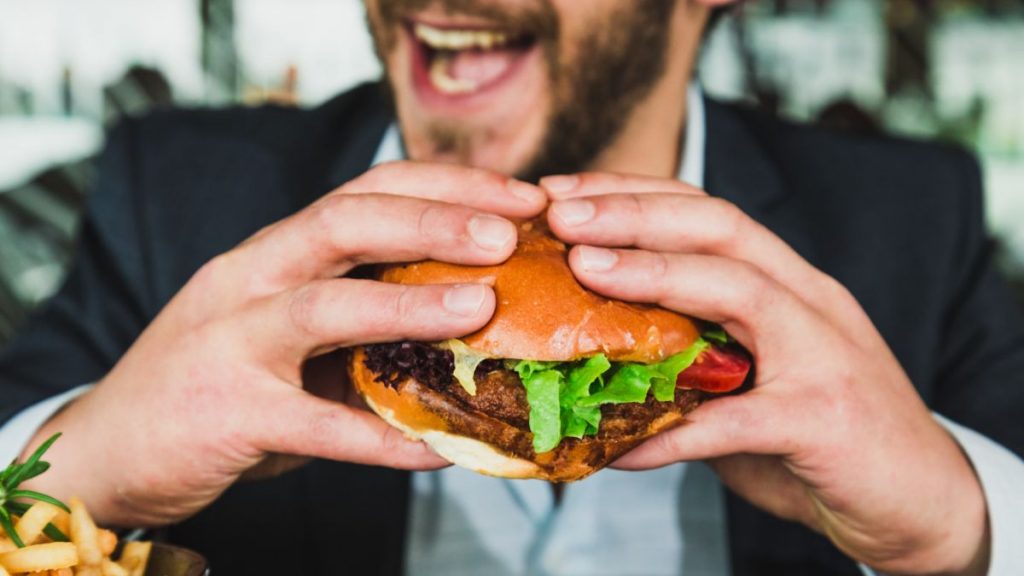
[{"x": 396, "y": 362}]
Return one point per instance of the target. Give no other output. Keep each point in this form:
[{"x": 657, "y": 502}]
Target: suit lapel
[{"x": 737, "y": 168}]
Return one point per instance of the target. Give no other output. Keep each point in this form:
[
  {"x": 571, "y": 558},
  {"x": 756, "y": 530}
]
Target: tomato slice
[{"x": 716, "y": 370}]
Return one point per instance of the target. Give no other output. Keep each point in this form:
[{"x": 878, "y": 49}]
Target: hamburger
[{"x": 560, "y": 382}]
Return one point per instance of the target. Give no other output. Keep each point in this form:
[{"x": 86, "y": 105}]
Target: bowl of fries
[
  {"x": 50, "y": 538},
  {"x": 91, "y": 550}
]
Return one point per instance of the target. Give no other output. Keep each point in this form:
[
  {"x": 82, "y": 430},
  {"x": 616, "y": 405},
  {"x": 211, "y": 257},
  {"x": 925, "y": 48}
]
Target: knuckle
[
  {"x": 485, "y": 179},
  {"x": 592, "y": 178},
  {"x": 444, "y": 225},
  {"x": 325, "y": 423},
  {"x": 305, "y": 309},
  {"x": 394, "y": 307},
  {"x": 838, "y": 294},
  {"x": 329, "y": 212},
  {"x": 203, "y": 295},
  {"x": 433, "y": 222},
  {"x": 336, "y": 218},
  {"x": 730, "y": 223},
  {"x": 213, "y": 272},
  {"x": 392, "y": 441},
  {"x": 635, "y": 207},
  {"x": 753, "y": 289},
  {"x": 406, "y": 303},
  {"x": 668, "y": 444},
  {"x": 658, "y": 267},
  {"x": 385, "y": 170}
]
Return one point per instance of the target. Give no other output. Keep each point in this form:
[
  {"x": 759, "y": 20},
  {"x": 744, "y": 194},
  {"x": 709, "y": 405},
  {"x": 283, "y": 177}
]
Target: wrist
[
  {"x": 963, "y": 543},
  {"x": 74, "y": 469}
]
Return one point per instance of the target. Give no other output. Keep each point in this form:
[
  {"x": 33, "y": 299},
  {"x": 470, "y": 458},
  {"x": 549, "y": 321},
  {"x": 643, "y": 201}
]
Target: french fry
[
  {"x": 107, "y": 541},
  {"x": 40, "y": 557},
  {"x": 84, "y": 534},
  {"x": 62, "y": 572},
  {"x": 62, "y": 521},
  {"x": 111, "y": 568},
  {"x": 31, "y": 524},
  {"x": 3, "y": 571},
  {"x": 135, "y": 556},
  {"x": 6, "y": 545},
  {"x": 88, "y": 571}
]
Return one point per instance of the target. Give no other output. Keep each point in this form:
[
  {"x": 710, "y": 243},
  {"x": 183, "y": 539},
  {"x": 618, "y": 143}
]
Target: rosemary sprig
[{"x": 12, "y": 498}]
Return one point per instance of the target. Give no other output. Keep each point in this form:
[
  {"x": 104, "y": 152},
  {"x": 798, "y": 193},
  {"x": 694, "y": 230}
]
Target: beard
[{"x": 614, "y": 65}]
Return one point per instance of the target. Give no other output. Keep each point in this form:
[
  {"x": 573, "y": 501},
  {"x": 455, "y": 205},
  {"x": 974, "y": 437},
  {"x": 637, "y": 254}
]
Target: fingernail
[
  {"x": 574, "y": 212},
  {"x": 465, "y": 300},
  {"x": 525, "y": 192},
  {"x": 596, "y": 259},
  {"x": 560, "y": 184},
  {"x": 491, "y": 232}
]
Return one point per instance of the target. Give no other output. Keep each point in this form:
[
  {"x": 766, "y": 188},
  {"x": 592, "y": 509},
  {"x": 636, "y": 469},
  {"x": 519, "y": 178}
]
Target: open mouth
[{"x": 458, "y": 63}]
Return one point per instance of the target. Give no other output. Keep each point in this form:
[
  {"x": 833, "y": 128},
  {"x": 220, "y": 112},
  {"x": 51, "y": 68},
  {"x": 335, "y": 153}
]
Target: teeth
[
  {"x": 443, "y": 81},
  {"x": 440, "y": 39}
]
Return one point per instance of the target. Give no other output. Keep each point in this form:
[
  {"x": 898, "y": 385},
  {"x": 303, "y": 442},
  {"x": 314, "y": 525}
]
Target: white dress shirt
[{"x": 665, "y": 521}]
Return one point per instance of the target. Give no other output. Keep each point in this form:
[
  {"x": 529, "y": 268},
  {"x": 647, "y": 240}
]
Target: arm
[{"x": 242, "y": 365}]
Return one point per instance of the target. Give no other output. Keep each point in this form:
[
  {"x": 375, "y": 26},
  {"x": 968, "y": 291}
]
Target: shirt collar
[{"x": 691, "y": 166}]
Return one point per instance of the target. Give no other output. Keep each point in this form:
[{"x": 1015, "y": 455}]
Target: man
[{"x": 213, "y": 288}]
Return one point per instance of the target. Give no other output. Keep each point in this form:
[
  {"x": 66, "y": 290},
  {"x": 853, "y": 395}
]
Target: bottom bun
[
  {"x": 488, "y": 445},
  {"x": 462, "y": 451}
]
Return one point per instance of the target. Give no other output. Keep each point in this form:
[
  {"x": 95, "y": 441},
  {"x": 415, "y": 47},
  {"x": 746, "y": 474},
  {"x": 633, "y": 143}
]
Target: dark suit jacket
[{"x": 899, "y": 223}]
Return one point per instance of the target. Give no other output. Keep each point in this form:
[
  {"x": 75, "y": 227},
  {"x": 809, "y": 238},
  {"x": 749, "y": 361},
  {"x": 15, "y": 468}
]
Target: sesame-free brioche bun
[{"x": 543, "y": 313}]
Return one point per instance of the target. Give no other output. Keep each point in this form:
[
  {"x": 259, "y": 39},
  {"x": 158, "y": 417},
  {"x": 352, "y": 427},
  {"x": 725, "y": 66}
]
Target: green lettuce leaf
[
  {"x": 630, "y": 383},
  {"x": 717, "y": 334},
  {"x": 582, "y": 379},
  {"x": 542, "y": 389},
  {"x": 565, "y": 398},
  {"x": 579, "y": 421},
  {"x": 671, "y": 367}
]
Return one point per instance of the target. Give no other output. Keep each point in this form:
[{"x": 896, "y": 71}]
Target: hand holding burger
[
  {"x": 833, "y": 434},
  {"x": 239, "y": 375}
]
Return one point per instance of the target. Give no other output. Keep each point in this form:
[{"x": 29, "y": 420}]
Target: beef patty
[{"x": 499, "y": 391}]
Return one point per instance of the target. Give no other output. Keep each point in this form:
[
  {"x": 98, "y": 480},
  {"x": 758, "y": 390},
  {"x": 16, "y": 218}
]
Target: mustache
[{"x": 537, "y": 18}]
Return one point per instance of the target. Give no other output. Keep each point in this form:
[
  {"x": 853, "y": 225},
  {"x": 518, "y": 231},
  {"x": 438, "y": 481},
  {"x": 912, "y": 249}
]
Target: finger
[
  {"x": 305, "y": 425},
  {"x": 755, "y": 309},
  {"x": 562, "y": 187},
  {"x": 340, "y": 232},
  {"x": 475, "y": 187},
  {"x": 745, "y": 424},
  {"x": 331, "y": 314},
  {"x": 703, "y": 225}
]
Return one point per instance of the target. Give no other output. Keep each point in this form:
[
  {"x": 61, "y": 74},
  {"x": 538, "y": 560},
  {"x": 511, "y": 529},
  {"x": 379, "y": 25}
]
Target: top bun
[{"x": 543, "y": 313}]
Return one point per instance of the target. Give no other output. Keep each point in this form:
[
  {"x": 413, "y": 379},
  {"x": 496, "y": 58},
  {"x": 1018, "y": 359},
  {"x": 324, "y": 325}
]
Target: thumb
[
  {"x": 719, "y": 427},
  {"x": 302, "y": 424}
]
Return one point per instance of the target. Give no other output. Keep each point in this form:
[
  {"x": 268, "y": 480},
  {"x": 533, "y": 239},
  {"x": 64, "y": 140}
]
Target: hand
[
  {"x": 833, "y": 434},
  {"x": 241, "y": 364}
]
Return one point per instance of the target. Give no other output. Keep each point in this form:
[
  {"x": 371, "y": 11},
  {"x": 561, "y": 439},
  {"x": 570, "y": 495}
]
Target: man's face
[{"x": 524, "y": 87}]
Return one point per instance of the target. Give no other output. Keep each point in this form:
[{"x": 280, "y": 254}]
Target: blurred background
[{"x": 949, "y": 70}]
